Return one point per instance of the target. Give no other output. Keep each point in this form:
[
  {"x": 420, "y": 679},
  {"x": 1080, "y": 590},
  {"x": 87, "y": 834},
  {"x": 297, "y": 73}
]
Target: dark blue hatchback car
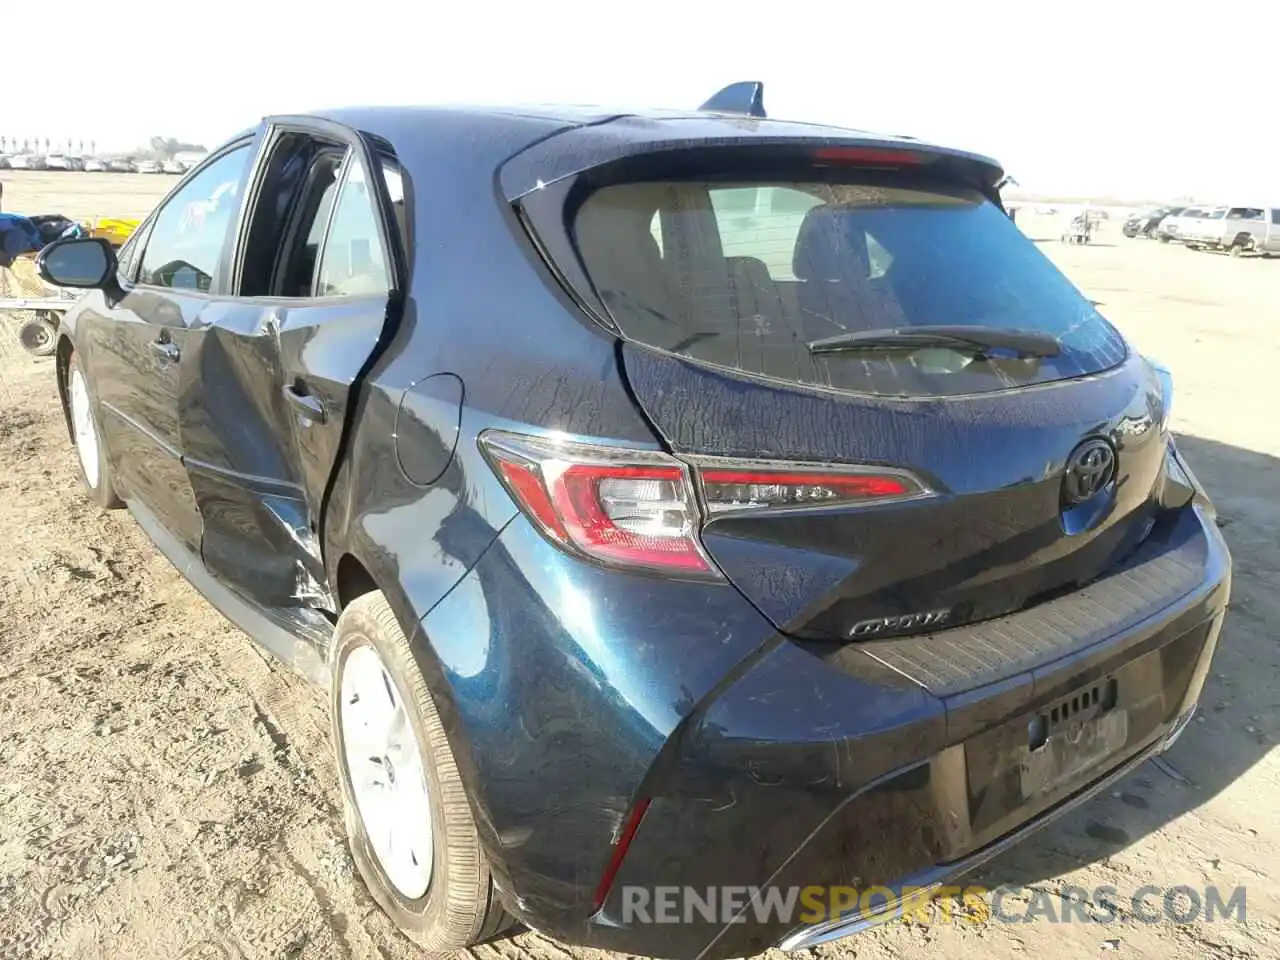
[{"x": 670, "y": 501}]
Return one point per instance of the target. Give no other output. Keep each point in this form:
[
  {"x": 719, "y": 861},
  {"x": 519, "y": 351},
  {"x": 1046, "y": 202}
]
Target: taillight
[
  {"x": 640, "y": 509},
  {"x": 730, "y": 489},
  {"x": 623, "y": 508}
]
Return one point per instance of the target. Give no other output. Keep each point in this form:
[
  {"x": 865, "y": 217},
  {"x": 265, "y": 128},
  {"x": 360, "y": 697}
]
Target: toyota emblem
[{"x": 1091, "y": 466}]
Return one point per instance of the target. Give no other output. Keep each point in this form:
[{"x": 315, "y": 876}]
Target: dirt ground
[{"x": 166, "y": 791}]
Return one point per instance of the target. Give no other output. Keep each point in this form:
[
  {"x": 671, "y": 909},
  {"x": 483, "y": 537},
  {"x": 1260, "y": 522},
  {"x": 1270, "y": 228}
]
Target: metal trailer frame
[{"x": 38, "y": 332}]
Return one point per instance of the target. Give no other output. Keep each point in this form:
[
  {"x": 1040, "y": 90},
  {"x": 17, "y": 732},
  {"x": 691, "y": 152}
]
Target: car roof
[{"x": 491, "y": 135}]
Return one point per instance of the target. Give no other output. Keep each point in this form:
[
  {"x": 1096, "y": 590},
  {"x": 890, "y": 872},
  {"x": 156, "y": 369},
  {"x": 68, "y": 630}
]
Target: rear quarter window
[{"x": 746, "y": 275}]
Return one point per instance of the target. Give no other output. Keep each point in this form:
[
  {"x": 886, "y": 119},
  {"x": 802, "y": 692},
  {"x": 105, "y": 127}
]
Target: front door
[
  {"x": 137, "y": 342},
  {"x": 273, "y": 369}
]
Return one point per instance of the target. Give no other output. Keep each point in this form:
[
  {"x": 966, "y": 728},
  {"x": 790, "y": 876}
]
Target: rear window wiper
[{"x": 1022, "y": 343}]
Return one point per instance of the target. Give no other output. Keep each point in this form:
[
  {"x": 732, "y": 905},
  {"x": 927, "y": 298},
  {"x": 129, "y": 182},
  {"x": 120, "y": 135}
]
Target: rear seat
[{"x": 837, "y": 294}]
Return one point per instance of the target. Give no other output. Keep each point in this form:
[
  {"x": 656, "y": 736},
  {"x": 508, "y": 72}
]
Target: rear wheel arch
[
  {"x": 354, "y": 577},
  {"x": 62, "y": 365},
  {"x": 352, "y": 580}
]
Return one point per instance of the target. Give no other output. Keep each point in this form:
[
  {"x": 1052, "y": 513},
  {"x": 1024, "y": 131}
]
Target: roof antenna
[{"x": 745, "y": 97}]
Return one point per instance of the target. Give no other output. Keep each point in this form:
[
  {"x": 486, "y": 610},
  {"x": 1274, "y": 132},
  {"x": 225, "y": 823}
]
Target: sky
[{"x": 1124, "y": 98}]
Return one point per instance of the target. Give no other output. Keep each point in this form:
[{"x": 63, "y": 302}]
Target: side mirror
[{"x": 88, "y": 264}]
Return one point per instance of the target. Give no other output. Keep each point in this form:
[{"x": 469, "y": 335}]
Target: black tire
[
  {"x": 103, "y": 493},
  {"x": 460, "y": 907},
  {"x": 39, "y": 336}
]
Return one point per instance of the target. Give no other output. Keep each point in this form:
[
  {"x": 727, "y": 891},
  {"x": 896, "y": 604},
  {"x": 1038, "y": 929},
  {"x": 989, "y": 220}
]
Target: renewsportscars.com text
[{"x": 947, "y": 904}]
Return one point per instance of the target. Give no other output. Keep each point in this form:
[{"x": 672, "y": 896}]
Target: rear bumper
[{"x": 842, "y": 772}]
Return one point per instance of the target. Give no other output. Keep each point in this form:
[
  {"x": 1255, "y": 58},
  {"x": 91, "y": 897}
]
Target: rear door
[
  {"x": 717, "y": 324},
  {"x": 274, "y": 368},
  {"x": 171, "y": 275}
]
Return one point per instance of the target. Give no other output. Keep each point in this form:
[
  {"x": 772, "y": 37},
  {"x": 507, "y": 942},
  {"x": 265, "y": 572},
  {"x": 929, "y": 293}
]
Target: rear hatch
[{"x": 1026, "y": 475}]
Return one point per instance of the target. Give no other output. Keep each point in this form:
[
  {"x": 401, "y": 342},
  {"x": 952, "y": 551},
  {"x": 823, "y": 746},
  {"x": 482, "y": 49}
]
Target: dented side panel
[{"x": 263, "y": 409}]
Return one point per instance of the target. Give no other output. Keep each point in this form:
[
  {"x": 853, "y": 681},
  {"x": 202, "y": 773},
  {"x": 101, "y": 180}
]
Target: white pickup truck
[{"x": 1237, "y": 230}]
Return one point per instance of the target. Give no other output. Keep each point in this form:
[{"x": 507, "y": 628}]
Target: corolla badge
[
  {"x": 1091, "y": 466},
  {"x": 878, "y": 625}
]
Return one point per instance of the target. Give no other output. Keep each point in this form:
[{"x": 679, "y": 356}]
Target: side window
[
  {"x": 353, "y": 261},
  {"x": 1275, "y": 216},
  {"x": 394, "y": 179},
  {"x": 128, "y": 252},
  {"x": 762, "y": 223},
  {"x": 186, "y": 242},
  {"x": 296, "y": 271}
]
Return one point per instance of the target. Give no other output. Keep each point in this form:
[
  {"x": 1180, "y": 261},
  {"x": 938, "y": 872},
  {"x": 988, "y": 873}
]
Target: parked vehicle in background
[
  {"x": 577, "y": 453},
  {"x": 94, "y": 165},
  {"x": 1202, "y": 229},
  {"x": 1269, "y": 245},
  {"x": 4, "y": 161},
  {"x": 191, "y": 158},
  {"x": 56, "y": 161},
  {"x": 174, "y": 166},
  {"x": 26, "y": 161},
  {"x": 1171, "y": 227},
  {"x": 1145, "y": 222},
  {"x": 1237, "y": 230},
  {"x": 121, "y": 165},
  {"x": 147, "y": 166}
]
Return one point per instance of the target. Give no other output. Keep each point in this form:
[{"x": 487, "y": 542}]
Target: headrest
[
  {"x": 830, "y": 246},
  {"x": 616, "y": 235}
]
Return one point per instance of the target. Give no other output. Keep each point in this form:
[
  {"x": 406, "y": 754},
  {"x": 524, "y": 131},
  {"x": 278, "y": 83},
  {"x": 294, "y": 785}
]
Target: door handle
[
  {"x": 167, "y": 350},
  {"x": 307, "y": 406}
]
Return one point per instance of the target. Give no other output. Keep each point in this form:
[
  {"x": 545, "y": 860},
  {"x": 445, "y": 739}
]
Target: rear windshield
[{"x": 746, "y": 274}]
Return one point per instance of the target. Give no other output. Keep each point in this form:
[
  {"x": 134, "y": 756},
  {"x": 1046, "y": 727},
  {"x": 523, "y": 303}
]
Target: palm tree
[
  {"x": 93, "y": 147},
  {"x": 46, "y": 146}
]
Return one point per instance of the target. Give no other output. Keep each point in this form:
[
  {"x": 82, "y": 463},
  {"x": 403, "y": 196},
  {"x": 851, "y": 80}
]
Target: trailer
[{"x": 36, "y": 307}]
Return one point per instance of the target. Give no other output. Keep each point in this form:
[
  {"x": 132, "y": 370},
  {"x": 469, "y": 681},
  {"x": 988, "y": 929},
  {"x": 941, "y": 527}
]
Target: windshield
[{"x": 746, "y": 274}]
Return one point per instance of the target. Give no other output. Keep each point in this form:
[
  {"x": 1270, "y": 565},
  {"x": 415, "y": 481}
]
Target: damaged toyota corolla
[{"x": 668, "y": 499}]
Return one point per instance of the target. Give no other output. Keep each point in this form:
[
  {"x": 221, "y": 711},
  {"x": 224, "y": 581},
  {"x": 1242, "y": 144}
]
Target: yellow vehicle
[{"x": 114, "y": 230}]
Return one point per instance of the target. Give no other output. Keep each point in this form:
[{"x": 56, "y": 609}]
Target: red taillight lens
[
  {"x": 623, "y": 508},
  {"x": 728, "y": 490},
  {"x": 638, "y": 509}
]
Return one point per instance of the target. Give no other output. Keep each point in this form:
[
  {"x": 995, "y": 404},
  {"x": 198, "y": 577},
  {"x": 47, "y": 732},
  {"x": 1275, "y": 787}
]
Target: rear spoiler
[{"x": 733, "y": 120}]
